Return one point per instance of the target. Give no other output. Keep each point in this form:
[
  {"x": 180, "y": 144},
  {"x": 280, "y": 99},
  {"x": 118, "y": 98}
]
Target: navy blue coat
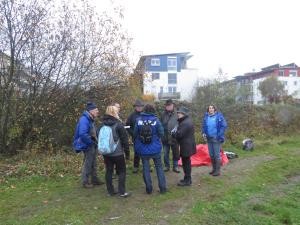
[{"x": 157, "y": 133}]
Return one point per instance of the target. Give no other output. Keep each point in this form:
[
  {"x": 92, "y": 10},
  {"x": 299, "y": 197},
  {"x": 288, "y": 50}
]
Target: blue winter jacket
[
  {"x": 82, "y": 138},
  {"x": 157, "y": 133},
  {"x": 221, "y": 126}
]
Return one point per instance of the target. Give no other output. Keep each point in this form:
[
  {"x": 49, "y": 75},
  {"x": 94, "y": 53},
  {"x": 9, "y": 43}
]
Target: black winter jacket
[
  {"x": 131, "y": 121},
  {"x": 185, "y": 136}
]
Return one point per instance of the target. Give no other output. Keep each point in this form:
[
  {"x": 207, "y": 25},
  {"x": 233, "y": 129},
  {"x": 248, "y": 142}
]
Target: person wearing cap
[
  {"x": 131, "y": 120},
  {"x": 213, "y": 131},
  {"x": 185, "y": 135},
  {"x": 85, "y": 140},
  {"x": 169, "y": 121}
]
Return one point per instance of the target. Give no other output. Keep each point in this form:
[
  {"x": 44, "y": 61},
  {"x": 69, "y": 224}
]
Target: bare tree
[{"x": 51, "y": 57}]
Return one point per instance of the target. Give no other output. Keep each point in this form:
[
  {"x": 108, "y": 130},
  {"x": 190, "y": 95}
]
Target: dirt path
[{"x": 133, "y": 208}]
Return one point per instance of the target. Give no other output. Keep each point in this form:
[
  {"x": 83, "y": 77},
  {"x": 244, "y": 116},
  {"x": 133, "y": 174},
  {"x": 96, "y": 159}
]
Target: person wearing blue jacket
[
  {"x": 213, "y": 130},
  {"x": 147, "y": 144},
  {"x": 85, "y": 140}
]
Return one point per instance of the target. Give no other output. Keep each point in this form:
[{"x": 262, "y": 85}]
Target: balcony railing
[{"x": 167, "y": 95}]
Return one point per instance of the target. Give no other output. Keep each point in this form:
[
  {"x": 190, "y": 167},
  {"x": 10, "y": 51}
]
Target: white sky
[{"x": 236, "y": 35}]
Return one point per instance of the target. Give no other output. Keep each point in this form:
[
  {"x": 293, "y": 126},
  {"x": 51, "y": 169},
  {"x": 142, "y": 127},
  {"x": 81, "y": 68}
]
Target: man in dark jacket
[
  {"x": 169, "y": 122},
  {"x": 148, "y": 146},
  {"x": 85, "y": 140},
  {"x": 186, "y": 139},
  {"x": 131, "y": 120}
]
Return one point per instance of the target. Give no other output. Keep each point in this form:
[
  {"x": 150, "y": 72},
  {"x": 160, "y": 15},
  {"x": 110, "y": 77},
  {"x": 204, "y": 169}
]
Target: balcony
[{"x": 168, "y": 95}]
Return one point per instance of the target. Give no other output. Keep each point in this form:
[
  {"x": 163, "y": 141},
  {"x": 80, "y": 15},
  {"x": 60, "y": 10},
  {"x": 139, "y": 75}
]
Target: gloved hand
[{"x": 221, "y": 139}]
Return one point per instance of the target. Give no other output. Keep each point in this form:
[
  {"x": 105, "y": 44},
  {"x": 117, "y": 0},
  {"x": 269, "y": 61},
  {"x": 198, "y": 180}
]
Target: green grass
[{"x": 259, "y": 187}]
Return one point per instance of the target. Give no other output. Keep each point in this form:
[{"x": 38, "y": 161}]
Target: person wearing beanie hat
[
  {"x": 185, "y": 135},
  {"x": 138, "y": 108},
  {"x": 85, "y": 140},
  {"x": 90, "y": 106},
  {"x": 169, "y": 121}
]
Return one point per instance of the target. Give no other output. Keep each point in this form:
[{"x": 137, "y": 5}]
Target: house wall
[
  {"x": 292, "y": 86},
  {"x": 186, "y": 81},
  {"x": 186, "y": 78}
]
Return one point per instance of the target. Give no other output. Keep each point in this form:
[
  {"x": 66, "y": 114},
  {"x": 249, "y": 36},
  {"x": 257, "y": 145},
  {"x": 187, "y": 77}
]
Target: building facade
[
  {"x": 288, "y": 74},
  {"x": 167, "y": 76}
]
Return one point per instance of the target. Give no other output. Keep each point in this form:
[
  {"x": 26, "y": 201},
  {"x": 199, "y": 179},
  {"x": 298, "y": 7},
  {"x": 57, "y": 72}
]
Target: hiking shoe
[
  {"x": 112, "y": 194},
  {"x": 87, "y": 185},
  {"x": 163, "y": 191},
  {"x": 176, "y": 170},
  {"x": 125, "y": 195},
  {"x": 167, "y": 169},
  {"x": 135, "y": 170},
  {"x": 98, "y": 182},
  {"x": 184, "y": 183}
]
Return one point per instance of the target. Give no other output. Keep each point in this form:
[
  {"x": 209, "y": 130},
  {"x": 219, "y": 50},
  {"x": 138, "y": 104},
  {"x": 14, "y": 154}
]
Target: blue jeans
[
  {"x": 214, "y": 148},
  {"x": 175, "y": 155},
  {"x": 159, "y": 172}
]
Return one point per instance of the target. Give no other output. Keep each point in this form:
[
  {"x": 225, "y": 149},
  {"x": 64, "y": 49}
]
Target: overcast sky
[{"x": 236, "y": 35}]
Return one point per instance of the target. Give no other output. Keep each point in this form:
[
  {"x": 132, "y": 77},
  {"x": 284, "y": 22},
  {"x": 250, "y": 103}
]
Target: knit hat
[
  {"x": 138, "y": 103},
  {"x": 183, "y": 110},
  {"x": 90, "y": 106}
]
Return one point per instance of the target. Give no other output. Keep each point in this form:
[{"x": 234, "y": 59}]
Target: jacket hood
[
  {"x": 87, "y": 115},
  {"x": 182, "y": 118},
  {"x": 148, "y": 114},
  {"x": 109, "y": 120}
]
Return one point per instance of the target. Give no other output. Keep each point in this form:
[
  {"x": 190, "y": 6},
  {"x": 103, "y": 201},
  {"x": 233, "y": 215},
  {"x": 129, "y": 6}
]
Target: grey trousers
[{"x": 89, "y": 167}]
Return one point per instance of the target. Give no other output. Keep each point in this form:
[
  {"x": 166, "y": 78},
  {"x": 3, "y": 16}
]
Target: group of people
[{"x": 172, "y": 131}]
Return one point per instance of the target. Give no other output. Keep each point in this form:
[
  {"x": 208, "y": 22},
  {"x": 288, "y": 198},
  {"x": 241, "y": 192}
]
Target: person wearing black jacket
[
  {"x": 116, "y": 158},
  {"x": 186, "y": 139},
  {"x": 138, "y": 108}
]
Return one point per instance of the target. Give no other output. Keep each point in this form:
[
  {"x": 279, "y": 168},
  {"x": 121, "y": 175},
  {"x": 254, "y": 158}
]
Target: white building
[
  {"x": 167, "y": 76},
  {"x": 288, "y": 74}
]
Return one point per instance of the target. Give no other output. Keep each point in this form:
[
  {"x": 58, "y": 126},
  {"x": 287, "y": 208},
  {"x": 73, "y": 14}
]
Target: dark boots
[
  {"x": 213, "y": 163},
  {"x": 217, "y": 168},
  {"x": 187, "y": 181}
]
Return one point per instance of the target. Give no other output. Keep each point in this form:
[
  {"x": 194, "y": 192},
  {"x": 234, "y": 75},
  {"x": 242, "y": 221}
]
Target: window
[
  {"x": 293, "y": 73},
  {"x": 161, "y": 89},
  {"x": 155, "y": 76},
  {"x": 172, "y": 78},
  {"x": 155, "y": 62},
  {"x": 295, "y": 83},
  {"x": 281, "y": 73},
  {"x": 171, "y": 89},
  {"x": 172, "y": 63},
  {"x": 285, "y": 83}
]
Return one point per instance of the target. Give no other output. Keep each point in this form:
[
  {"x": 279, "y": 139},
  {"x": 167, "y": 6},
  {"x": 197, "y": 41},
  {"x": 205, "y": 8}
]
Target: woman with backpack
[
  {"x": 147, "y": 134},
  {"x": 116, "y": 158}
]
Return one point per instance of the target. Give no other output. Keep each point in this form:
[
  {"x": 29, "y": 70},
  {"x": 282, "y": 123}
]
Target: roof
[{"x": 265, "y": 70}]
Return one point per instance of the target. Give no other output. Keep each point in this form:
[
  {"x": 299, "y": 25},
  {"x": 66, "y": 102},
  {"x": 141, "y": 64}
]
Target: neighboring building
[
  {"x": 167, "y": 76},
  {"x": 20, "y": 76},
  {"x": 288, "y": 74}
]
